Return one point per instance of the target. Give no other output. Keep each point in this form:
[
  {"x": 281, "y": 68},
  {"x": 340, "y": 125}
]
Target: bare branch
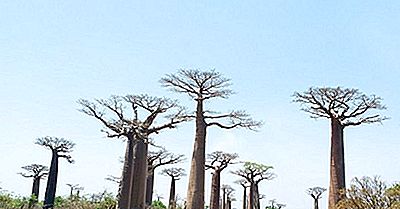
[
  {"x": 255, "y": 173},
  {"x": 174, "y": 173},
  {"x": 133, "y": 128},
  {"x": 315, "y": 192},
  {"x": 162, "y": 157},
  {"x": 113, "y": 179},
  {"x": 349, "y": 106},
  {"x": 200, "y": 85},
  {"x": 35, "y": 171},
  {"x": 219, "y": 160}
]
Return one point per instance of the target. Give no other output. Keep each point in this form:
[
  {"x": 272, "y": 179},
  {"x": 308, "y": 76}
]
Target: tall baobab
[
  {"x": 137, "y": 132},
  {"x": 316, "y": 194},
  {"x": 175, "y": 174},
  {"x": 344, "y": 107},
  {"x": 202, "y": 86},
  {"x": 245, "y": 185},
  {"x": 60, "y": 148},
  {"x": 157, "y": 159},
  {"x": 218, "y": 161},
  {"x": 37, "y": 172},
  {"x": 254, "y": 173}
]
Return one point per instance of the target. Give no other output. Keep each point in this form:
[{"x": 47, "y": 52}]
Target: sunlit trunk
[
  {"x": 126, "y": 181},
  {"x": 139, "y": 175},
  {"x": 215, "y": 187},
  {"x": 51, "y": 182},
  {"x": 172, "y": 203},
  {"x": 195, "y": 192},
  {"x": 337, "y": 170}
]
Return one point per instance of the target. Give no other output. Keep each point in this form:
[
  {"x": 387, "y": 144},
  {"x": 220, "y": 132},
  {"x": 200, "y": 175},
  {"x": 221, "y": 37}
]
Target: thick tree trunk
[
  {"x": 215, "y": 188},
  {"x": 172, "y": 203},
  {"x": 244, "y": 198},
  {"x": 256, "y": 197},
  {"x": 139, "y": 175},
  {"x": 51, "y": 182},
  {"x": 316, "y": 204},
  {"x": 35, "y": 192},
  {"x": 126, "y": 181},
  {"x": 228, "y": 203},
  {"x": 149, "y": 187},
  {"x": 337, "y": 170},
  {"x": 195, "y": 193},
  {"x": 35, "y": 187},
  {"x": 251, "y": 197}
]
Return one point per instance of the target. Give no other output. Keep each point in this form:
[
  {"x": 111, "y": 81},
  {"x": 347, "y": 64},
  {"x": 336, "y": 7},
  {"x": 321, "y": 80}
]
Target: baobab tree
[
  {"x": 175, "y": 174},
  {"x": 344, "y": 107},
  {"x": 254, "y": 173},
  {"x": 218, "y": 161},
  {"x": 316, "y": 194},
  {"x": 72, "y": 188},
  {"x": 78, "y": 191},
  {"x": 60, "y": 148},
  {"x": 245, "y": 185},
  {"x": 275, "y": 205},
  {"x": 203, "y": 86},
  {"x": 157, "y": 159},
  {"x": 227, "y": 196},
  {"x": 137, "y": 132},
  {"x": 37, "y": 172}
]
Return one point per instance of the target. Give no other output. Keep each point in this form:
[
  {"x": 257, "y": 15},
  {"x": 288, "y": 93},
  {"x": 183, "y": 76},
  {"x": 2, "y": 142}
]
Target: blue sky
[{"x": 53, "y": 53}]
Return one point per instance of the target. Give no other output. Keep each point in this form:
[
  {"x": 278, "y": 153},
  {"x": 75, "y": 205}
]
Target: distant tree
[
  {"x": 78, "y": 191},
  {"x": 370, "y": 193},
  {"x": 245, "y": 184},
  {"x": 254, "y": 173},
  {"x": 175, "y": 174},
  {"x": 316, "y": 194},
  {"x": 137, "y": 132},
  {"x": 72, "y": 188},
  {"x": 218, "y": 161},
  {"x": 344, "y": 107},
  {"x": 37, "y": 172},
  {"x": 60, "y": 148},
  {"x": 202, "y": 86},
  {"x": 275, "y": 205},
  {"x": 227, "y": 196},
  {"x": 157, "y": 159}
]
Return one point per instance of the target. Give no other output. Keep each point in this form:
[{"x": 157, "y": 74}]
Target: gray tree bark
[
  {"x": 195, "y": 194},
  {"x": 337, "y": 167},
  {"x": 51, "y": 182},
  {"x": 215, "y": 188}
]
